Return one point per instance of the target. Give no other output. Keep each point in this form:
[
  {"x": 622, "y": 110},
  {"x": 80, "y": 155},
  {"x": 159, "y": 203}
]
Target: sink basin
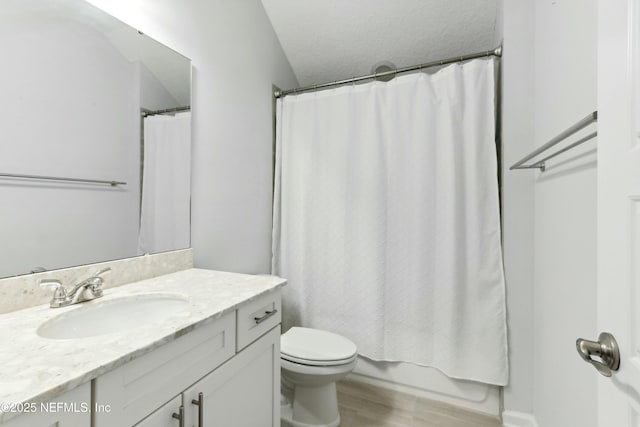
[{"x": 116, "y": 315}]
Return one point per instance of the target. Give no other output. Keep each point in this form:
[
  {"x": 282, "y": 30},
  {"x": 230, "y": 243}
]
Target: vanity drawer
[
  {"x": 258, "y": 317},
  {"x": 139, "y": 387}
]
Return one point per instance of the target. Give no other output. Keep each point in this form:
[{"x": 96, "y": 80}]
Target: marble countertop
[{"x": 36, "y": 369}]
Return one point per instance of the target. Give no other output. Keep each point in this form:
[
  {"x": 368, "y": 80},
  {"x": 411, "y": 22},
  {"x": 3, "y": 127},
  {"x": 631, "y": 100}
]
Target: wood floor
[{"x": 364, "y": 405}]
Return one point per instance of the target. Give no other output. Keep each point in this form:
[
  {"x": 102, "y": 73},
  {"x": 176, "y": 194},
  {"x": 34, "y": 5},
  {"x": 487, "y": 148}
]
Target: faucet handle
[
  {"x": 103, "y": 271},
  {"x": 59, "y": 292},
  {"x": 97, "y": 281}
]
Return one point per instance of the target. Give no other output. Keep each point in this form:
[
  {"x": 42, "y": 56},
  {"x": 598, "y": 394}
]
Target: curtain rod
[
  {"x": 144, "y": 112},
  {"x": 495, "y": 52}
]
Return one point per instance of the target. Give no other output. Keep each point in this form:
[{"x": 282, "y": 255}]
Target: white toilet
[{"x": 311, "y": 362}]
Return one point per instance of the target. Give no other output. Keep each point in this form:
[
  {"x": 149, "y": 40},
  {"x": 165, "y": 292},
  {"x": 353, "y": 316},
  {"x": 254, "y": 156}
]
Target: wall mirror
[{"x": 74, "y": 81}]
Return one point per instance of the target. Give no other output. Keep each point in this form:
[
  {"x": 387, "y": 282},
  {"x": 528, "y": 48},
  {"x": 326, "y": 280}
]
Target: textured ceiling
[{"x": 327, "y": 40}]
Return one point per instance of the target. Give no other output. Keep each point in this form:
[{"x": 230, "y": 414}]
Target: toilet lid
[{"x": 306, "y": 345}]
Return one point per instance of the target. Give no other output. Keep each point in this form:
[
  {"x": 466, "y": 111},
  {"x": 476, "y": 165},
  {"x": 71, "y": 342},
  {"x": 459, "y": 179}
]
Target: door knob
[{"x": 603, "y": 354}]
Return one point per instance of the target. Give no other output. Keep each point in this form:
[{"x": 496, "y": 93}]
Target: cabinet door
[
  {"x": 163, "y": 417},
  {"x": 141, "y": 386},
  {"x": 72, "y": 409},
  {"x": 244, "y": 391}
]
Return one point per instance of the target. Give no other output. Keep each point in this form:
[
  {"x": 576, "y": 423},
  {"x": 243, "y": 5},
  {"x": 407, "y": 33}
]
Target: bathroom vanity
[{"x": 212, "y": 361}]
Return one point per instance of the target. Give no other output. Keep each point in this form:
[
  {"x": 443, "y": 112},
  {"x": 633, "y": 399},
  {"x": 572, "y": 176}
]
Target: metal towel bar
[
  {"x": 540, "y": 164},
  {"x": 53, "y": 178}
]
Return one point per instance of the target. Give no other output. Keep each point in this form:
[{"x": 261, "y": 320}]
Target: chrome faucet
[{"x": 86, "y": 290}]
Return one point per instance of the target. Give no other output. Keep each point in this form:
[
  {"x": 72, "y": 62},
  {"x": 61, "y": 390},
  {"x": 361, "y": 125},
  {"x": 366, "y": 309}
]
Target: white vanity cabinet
[
  {"x": 239, "y": 393},
  {"x": 164, "y": 416},
  {"x": 233, "y": 361},
  {"x": 72, "y": 409},
  {"x": 244, "y": 392}
]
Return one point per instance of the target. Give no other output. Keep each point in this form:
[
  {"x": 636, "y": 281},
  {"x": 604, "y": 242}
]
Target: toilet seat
[
  {"x": 315, "y": 347},
  {"x": 318, "y": 362}
]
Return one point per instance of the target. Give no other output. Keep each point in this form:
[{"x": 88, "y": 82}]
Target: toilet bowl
[{"x": 312, "y": 361}]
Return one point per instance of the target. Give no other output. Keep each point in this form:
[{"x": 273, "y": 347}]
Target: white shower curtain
[
  {"x": 386, "y": 219},
  {"x": 165, "y": 215}
]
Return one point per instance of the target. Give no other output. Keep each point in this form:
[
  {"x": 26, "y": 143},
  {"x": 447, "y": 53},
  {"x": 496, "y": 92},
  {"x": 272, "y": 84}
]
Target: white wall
[
  {"x": 498, "y": 34},
  {"x": 565, "y": 215},
  {"x": 549, "y": 84},
  {"x": 518, "y": 104},
  {"x": 72, "y": 112},
  {"x": 153, "y": 95},
  {"x": 236, "y": 59}
]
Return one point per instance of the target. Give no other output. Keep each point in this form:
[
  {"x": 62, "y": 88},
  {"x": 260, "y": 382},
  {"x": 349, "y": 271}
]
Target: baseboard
[{"x": 518, "y": 419}]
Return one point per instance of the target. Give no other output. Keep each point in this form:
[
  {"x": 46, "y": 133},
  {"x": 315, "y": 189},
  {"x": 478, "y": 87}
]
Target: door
[{"x": 619, "y": 206}]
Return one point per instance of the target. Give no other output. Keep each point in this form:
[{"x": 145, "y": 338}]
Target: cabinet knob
[
  {"x": 179, "y": 416},
  {"x": 200, "y": 404}
]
